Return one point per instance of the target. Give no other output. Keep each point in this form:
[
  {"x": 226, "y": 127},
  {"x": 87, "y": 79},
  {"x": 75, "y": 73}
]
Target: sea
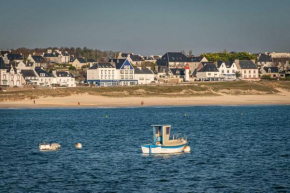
[{"x": 233, "y": 149}]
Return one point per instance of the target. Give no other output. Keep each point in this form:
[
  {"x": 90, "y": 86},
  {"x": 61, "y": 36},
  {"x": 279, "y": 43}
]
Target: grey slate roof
[
  {"x": 39, "y": 71},
  {"x": 195, "y": 59},
  {"x": 136, "y": 58},
  {"x": 8, "y": 70},
  {"x": 2, "y": 64},
  {"x": 14, "y": 56},
  {"x": 38, "y": 59},
  {"x": 172, "y": 57},
  {"x": 264, "y": 58},
  {"x": 4, "y": 52},
  {"x": 247, "y": 64},
  {"x": 102, "y": 65},
  {"x": 81, "y": 60},
  {"x": 142, "y": 71},
  {"x": 64, "y": 74},
  {"x": 91, "y": 60},
  {"x": 54, "y": 54},
  {"x": 28, "y": 73},
  {"x": 118, "y": 62},
  {"x": 227, "y": 63},
  {"x": 273, "y": 69},
  {"x": 208, "y": 67}
]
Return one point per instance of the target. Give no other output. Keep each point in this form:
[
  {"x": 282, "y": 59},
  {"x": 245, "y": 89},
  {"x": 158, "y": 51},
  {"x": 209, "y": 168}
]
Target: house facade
[
  {"x": 44, "y": 78},
  {"x": 64, "y": 79},
  {"x": 39, "y": 61},
  {"x": 56, "y": 56},
  {"x": 102, "y": 74},
  {"x": 264, "y": 60},
  {"x": 144, "y": 75},
  {"x": 248, "y": 69},
  {"x": 9, "y": 57},
  {"x": 78, "y": 63},
  {"x": 208, "y": 72},
  {"x": 194, "y": 62},
  {"x": 227, "y": 70},
  {"x": 10, "y": 77}
]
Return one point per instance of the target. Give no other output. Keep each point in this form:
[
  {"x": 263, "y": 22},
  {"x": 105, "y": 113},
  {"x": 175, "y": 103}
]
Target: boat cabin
[{"x": 161, "y": 136}]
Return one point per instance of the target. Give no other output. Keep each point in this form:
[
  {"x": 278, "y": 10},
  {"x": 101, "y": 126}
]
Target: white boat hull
[
  {"x": 148, "y": 149},
  {"x": 49, "y": 147}
]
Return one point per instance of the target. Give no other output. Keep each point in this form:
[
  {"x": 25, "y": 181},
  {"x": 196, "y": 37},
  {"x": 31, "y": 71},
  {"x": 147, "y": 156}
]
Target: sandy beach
[{"x": 86, "y": 100}]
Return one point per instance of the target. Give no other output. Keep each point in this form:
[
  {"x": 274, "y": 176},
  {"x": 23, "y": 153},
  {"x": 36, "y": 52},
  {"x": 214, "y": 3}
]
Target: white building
[
  {"x": 64, "y": 79},
  {"x": 227, "y": 70},
  {"x": 247, "y": 69},
  {"x": 45, "y": 78},
  {"x": 144, "y": 75},
  {"x": 10, "y": 77},
  {"x": 208, "y": 72},
  {"x": 102, "y": 74},
  {"x": 124, "y": 72}
]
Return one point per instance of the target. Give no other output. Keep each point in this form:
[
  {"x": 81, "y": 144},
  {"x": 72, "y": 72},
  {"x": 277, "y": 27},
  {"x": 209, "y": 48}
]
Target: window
[
  {"x": 126, "y": 77},
  {"x": 101, "y": 71},
  {"x": 122, "y": 76},
  {"x": 102, "y": 77},
  {"x": 209, "y": 74},
  {"x": 113, "y": 71},
  {"x": 109, "y": 71},
  {"x": 245, "y": 71},
  {"x": 126, "y": 71},
  {"x": 228, "y": 71},
  {"x": 233, "y": 71},
  {"x": 249, "y": 71},
  {"x": 167, "y": 130},
  {"x": 105, "y": 71},
  {"x": 131, "y": 71},
  {"x": 122, "y": 71},
  {"x": 223, "y": 71},
  {"x": 131, "y": 77}
]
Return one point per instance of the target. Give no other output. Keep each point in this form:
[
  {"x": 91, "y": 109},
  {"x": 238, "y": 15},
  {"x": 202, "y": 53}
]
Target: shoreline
[{"x": 94, "y": 101}]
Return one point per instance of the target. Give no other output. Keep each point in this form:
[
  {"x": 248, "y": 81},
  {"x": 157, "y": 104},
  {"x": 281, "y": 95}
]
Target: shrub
[
  {"x": 266, "y": 77},
  {"x": 72, "y": 68}
]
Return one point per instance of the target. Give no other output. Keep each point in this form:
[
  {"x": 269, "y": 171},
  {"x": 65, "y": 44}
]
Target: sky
[{"x": 147, "y": 27}]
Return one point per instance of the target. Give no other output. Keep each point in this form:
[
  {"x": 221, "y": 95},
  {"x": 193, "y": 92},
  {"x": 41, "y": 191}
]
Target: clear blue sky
[{"x": 149, "y": 26}]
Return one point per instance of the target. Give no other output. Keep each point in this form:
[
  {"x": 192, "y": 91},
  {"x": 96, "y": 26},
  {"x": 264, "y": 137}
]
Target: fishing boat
[
  {"x": 48, "y": 147},
  {"x": 162, "y": 142}
]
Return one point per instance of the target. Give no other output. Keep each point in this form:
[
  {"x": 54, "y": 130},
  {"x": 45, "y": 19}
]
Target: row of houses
[
  {"x": 119, "y": 72},
  {"x": 22, "y": 74},
  {"x": 172, "y": 65}
]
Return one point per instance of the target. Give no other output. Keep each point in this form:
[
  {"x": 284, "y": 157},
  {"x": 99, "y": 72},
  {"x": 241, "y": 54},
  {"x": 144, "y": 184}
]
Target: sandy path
[{"x": 86, "y": 100}]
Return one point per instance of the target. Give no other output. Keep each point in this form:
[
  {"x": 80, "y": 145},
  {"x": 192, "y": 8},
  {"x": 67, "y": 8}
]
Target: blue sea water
[{"x": 234, "y": 149}]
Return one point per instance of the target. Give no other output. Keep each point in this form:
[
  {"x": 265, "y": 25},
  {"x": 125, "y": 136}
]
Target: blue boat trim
[{"x": 155, "y": 146}]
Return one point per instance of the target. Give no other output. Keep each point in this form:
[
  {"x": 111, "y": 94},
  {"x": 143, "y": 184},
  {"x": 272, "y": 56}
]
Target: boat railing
[{"x": 179, "y": 136}]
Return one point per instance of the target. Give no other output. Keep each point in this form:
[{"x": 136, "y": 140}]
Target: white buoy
[
  {"x": 79, "y": 146},
  {"x": 186, "y": 149}
]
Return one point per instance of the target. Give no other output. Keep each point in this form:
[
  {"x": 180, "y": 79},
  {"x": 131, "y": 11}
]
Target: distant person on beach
[{"x": 34, "y": 101}]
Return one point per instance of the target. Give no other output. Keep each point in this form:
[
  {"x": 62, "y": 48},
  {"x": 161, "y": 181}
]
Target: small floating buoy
[
  {"x": 185, "y": 114},
  {"x": 242, "y": 114},
  {"x": 186, "y": 149},
  {"x": 79, "y": 146},
  {"x": 106, "y": 116}
]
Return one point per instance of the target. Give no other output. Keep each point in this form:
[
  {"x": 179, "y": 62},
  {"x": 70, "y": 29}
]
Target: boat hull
[{"x": 148, "y": 149}]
